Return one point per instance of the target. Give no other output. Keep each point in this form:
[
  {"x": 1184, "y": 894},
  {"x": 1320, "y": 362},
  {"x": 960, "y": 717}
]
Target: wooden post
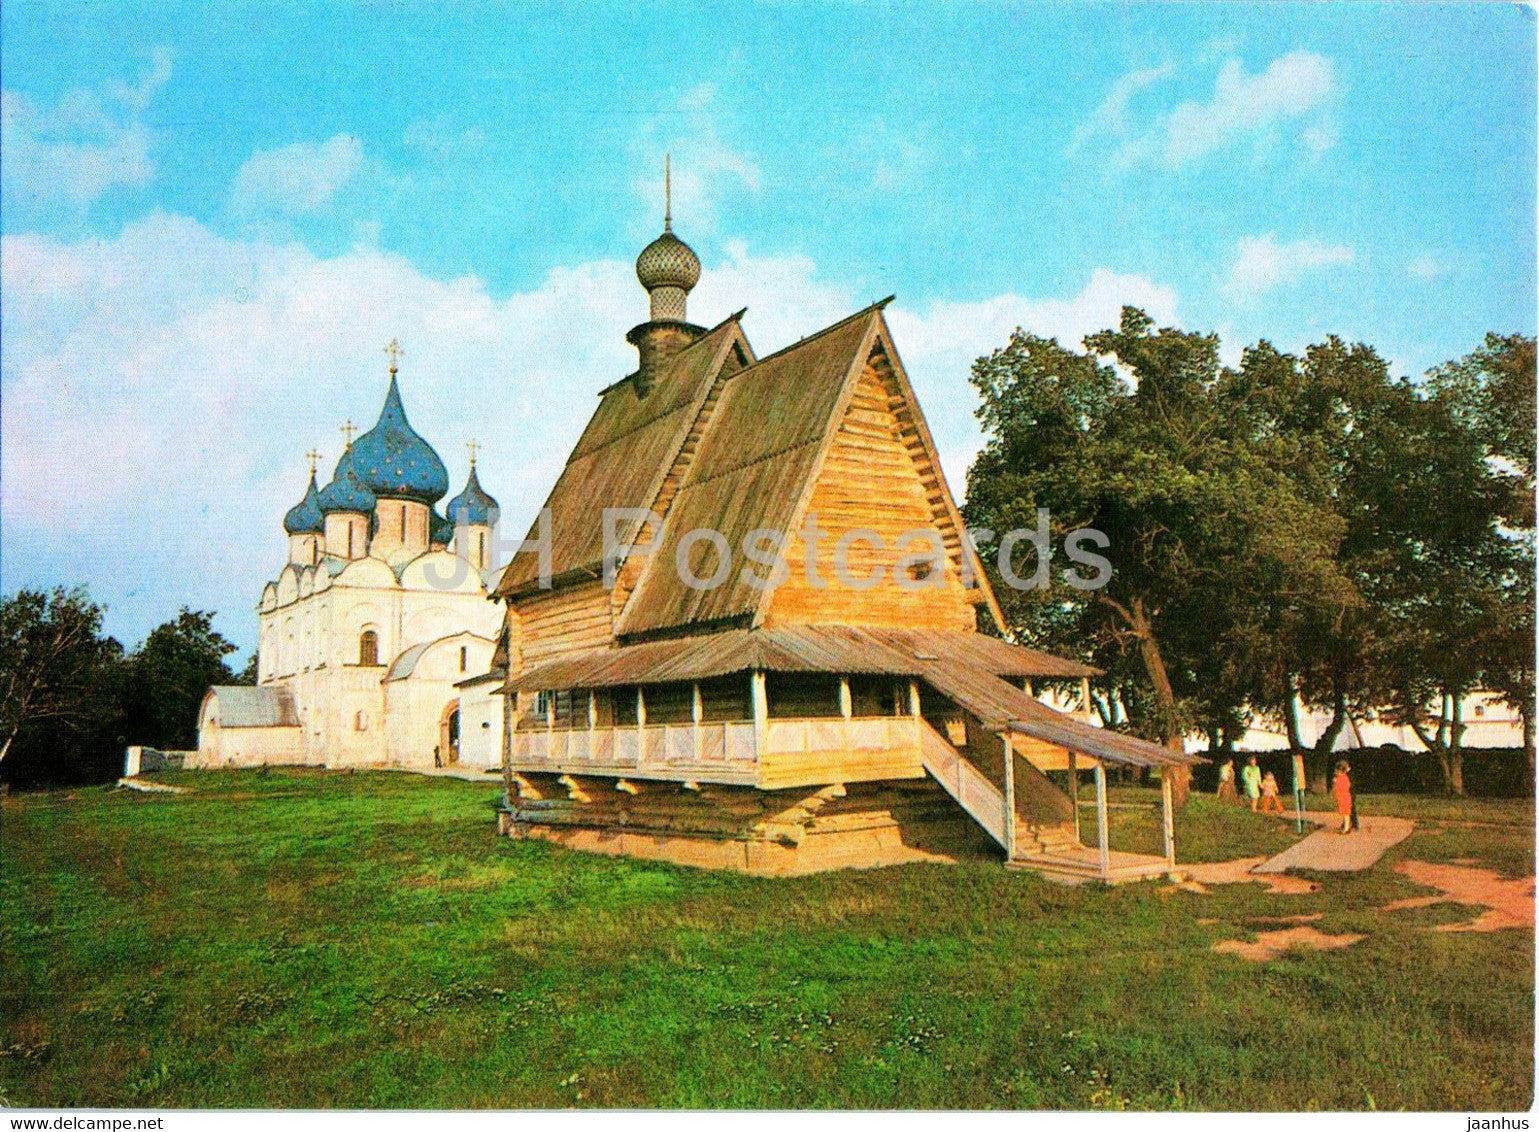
[
  {"x": 641, "y": 727},
  {"x": 1170, "y": 821},
  {"x": 1102, "y": 835},
  {"x": 1009, "y": 798},
  {"x": 913, "y": 710},
  {"x": 592, "y": 722},
  {"x": 1084, "y": 694},
  {"x": 760, "y": 698},
  {"x": 1074, "y": 788},
  {"x": 696, "y": 711},
  {"x": 846, "y": 708}
]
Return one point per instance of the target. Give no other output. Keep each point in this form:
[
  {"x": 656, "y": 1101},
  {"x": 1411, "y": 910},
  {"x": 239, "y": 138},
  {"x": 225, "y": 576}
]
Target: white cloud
[
  {"x": 1111, "y": 116},
  {"x": 160, "y": 387},
  {"x": 706, "y": 169},
  {"x": 1426, "y": 267},
  {"x": 939, "y": 345},
  {"x": 1293, "y": 88},
  {"x": 297, "y": 178},
  {"x": 1262, "y": 264},
  {"x": 76, "y": 151}
]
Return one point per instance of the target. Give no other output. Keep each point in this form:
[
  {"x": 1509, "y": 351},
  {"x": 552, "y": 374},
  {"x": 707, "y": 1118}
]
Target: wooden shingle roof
[
  {"x": 622, "y": 455},
  {"x": 842, "y": 649},
  {"x": 759, "y": 450}
]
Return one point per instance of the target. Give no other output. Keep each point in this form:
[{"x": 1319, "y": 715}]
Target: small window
[
  {"x": 1480, "y": 709},
  {"x": 368, "y": 649},
  {"x": 464, "y": 657},
  {"x": 360, "y": 722}
]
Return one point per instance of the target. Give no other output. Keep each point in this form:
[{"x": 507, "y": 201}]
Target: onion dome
[
  {"x": 668, "y": 262},
  {"x": 473, "y": 506},
  {"x": 440, "y": 530},
  {"x": 668, "y": 267},
  {"x": 305, "y": 517},
  {"x": 344, "y": 492},
  {"x": 392, "y": 460}
]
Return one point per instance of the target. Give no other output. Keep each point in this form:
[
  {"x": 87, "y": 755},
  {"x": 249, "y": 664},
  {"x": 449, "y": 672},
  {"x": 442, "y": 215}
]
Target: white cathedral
[{"x": 377, "y": 638}]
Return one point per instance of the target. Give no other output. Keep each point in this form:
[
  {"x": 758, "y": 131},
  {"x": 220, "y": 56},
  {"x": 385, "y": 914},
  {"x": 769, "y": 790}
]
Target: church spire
[{"x": 668, "y": 267}]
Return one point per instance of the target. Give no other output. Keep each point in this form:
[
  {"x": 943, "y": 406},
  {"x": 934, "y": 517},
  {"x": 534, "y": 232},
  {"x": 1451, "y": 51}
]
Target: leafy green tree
[
  {"x": 248, "y": 673},
  {"x": 60, "y": 688},
  {"x": 1492, "y": 392},
  {"x": 1210, "y": 539},
  {"x": 169, "y": 674}
]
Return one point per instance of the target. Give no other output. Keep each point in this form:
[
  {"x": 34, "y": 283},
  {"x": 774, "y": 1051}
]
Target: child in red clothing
[{"x": 1341, "y": 787}]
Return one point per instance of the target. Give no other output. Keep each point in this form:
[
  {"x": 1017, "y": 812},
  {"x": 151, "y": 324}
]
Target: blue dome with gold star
[
  {"x": 391, "y": 460},
  {"x": 473, "y": 506},
  {"x": 344, "y": 492},
  {"x": 440, "y": 530},
  {"x": 305, "y": 517}
]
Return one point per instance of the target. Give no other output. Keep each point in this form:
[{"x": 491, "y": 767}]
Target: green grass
[{"x": 306, "y": 939}]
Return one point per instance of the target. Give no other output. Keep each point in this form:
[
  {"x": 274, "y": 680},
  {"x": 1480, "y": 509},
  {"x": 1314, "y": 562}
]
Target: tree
[
  {"x": 248, "y": 674},
  {"x": 60, "y": 693},
  {"x": 1210, "y": 539},
  {"x": 1492, "y": 393},
  {"x": 169, "y": 674}
]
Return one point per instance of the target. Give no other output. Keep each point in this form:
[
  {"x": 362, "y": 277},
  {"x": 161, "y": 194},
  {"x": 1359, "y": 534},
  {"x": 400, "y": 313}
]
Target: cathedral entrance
[{"x": 449, "y": 735}]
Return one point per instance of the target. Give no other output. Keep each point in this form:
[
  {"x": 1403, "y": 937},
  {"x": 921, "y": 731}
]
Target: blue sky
[{"x": 214, "y": 217}]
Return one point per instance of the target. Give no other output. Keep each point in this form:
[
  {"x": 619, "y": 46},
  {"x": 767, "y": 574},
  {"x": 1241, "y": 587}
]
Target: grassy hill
[{"x": 308, "y": 939}]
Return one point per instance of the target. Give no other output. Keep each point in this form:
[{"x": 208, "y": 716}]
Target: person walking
[
  {"x": 1341, "y": 787},
  {"x": 1226, "y": 782},
  {"x": 1271, "y": 801},
  {"x": 1250, "y": 781}
]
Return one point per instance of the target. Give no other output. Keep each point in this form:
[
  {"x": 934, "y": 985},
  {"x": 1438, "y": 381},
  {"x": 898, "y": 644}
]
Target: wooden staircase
[
  {"x": 965, "y": 783},
  {"x": 1052, "y": 849}
]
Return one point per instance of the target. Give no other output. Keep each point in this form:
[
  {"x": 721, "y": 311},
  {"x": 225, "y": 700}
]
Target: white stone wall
[{"x": 309, "y": 628}]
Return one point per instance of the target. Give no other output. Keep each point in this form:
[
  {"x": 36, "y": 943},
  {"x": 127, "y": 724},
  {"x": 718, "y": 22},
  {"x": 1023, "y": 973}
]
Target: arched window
[{"x": 368, "y": 647}]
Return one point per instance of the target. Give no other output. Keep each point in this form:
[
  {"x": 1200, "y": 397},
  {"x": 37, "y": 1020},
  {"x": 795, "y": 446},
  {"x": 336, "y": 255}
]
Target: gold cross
[
  {"x": 472, "y": 447},
  {"x": 315, "y": 458},
  {"x": 347, "y": 431},
  {"x": 393, "y": 351}
]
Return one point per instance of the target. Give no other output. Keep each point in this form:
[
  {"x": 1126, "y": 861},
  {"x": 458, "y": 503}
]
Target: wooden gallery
[{"x": 814, "y": 724}]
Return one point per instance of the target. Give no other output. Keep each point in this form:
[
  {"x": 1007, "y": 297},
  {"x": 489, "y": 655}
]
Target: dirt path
[
  {"x": 1327, "y": 850},
  {"x": 1269, "y": 945},
  {"x": 1240, "y": 871},
  {"x": 1507, "y": 903}
]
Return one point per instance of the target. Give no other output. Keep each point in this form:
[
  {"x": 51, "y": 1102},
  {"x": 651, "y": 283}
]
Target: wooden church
[{"x": 675, "y": 699}]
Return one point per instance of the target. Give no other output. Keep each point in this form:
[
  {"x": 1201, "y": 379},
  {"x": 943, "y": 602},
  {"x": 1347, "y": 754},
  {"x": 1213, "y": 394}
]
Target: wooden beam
[
  {"x": 1009, "y": 798},
  {"x": 696, "y": 713},
  {"x": 758, "y": 694},
  {"x": 1102, "y": 834},
  {"x": 1074, "y": 788},
  {"x": 1170, "y": 821}
]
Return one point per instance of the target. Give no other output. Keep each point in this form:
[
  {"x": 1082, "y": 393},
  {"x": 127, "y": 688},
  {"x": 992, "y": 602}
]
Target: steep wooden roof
[
  {"x": 619, "y": 461},
  {"x": 758, "y": 453}
]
